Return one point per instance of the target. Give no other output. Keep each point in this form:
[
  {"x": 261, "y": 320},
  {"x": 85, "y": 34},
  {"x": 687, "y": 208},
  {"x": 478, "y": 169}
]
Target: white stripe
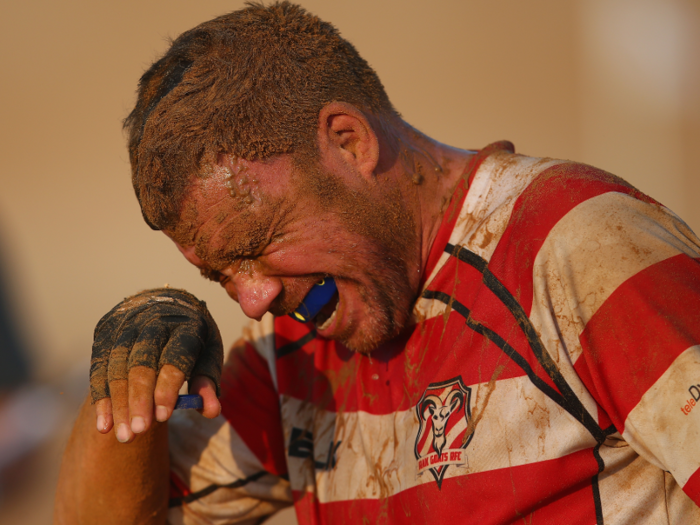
[
  {"x": 489, "y": 204},
  {"x": 659, "y": 429},
  {"x": 587, "y": 255},
  {"x": 496, "y": 185},
  {"x": 262, "y": 336},
  {"x": 209, "y": 451},
  {"x": 632, "y": 491},
  {"x": 376, "y": 457}
]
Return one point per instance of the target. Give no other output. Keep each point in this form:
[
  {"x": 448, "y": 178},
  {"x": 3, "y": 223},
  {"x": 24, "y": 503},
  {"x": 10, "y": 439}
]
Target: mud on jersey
[{"x": 551, "y": 376}]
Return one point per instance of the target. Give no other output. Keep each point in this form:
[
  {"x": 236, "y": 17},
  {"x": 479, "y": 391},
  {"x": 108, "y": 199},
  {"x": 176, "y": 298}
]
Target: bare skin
[
  {"x": 304, "y": 242},
  {"x": 125, "y": 495},
  {"x": 299, "y": 244},
  {"x": 105, "y": 481}
]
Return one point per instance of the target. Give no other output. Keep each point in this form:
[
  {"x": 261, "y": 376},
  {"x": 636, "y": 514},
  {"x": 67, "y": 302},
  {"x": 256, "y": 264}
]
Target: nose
[{"x": 254, "y": 291}]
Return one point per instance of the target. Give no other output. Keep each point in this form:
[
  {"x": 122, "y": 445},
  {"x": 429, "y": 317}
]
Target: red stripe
[
  {"x": 397, "y": 373},
  {"x": 548, "y": 198},
  {"x": 250, "y": 403},
  {"x": 584, "y": 375},
  {"x": 637, "y": 334},
  {"x": 449, "y": 219},
  {"x": 692, "y": 487},
  {"x": 287, "y": 331},
  {"x": 178, "y": 489},
  {"x": 307, "y": 508},
  {"x": 492, "y": 313},
  {"x": 562, "y": 493},
  {"x": 465, "y": 283}
]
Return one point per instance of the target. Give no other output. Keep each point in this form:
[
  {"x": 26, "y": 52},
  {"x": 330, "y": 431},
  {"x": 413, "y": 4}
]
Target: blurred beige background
[{"x": 612, "y": 83}]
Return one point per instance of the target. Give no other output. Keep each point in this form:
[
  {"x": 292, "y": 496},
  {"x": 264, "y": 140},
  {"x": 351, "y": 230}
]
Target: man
[{"x": 511, "y": 338}]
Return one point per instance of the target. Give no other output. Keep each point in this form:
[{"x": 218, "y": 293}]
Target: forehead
[{"x": 232, "y": 210}]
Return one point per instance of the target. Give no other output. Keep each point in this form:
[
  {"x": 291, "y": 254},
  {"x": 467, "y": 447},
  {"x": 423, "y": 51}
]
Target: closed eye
[{"x": 212, "y": 275}]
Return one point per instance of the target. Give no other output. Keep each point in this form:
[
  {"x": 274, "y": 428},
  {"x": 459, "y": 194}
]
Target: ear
[{"x": 346, "y": 136}]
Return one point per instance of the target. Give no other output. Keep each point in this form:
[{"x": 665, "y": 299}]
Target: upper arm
[{"x": 635, "y": 295}]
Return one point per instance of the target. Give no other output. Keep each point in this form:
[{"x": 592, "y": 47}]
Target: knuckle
[
  {"x": 103, "y": 406},
  {"x": 165, "y": 397},
  {"x": 119, "y": 397},
  {"x": 141, "y": 376},
  {"x": 170, "y": 374},
  {"x": 129, "y": 340}
]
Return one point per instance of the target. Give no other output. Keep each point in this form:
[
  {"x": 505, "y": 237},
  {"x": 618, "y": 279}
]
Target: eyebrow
[{"x": 240, "y": 244}]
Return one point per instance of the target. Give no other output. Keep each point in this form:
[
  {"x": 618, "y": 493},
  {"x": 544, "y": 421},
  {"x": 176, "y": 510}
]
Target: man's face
[{"x": 268, "y": 231}]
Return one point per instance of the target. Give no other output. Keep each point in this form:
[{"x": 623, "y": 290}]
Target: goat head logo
[{"x": 444, "y": 414}]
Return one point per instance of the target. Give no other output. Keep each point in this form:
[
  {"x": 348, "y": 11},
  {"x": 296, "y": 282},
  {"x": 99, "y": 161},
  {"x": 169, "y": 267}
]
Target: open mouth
[
  {"x": 326, "y": 315},
  {"x": 319, "y": 305}
]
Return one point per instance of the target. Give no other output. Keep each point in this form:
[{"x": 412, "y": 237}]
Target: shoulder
[
  {"x": 521, "y": 202},
  {"x": 562, "y": 187},
  {"x": 517, "y": 194}
]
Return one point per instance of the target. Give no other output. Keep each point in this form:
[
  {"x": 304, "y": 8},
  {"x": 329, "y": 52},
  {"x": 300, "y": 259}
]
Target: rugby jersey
[{"x": 550, "y": 376}]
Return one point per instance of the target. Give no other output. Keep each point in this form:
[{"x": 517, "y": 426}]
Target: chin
[
  {"x": 378, "y": 329},
  {"x": 361, "y": 345}
]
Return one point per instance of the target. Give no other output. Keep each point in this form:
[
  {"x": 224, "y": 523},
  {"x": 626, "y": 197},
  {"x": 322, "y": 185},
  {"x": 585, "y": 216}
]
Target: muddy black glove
[{"x": 164, "y": 326}]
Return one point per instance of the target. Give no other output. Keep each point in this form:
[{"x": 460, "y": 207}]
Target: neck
[{"x": 427, "y": 173}]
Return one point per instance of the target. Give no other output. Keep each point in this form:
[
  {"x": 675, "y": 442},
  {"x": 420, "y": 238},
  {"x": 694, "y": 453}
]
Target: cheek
[
  {"x": 320, "y": 251},
  {"x": 290, "y": 260}
]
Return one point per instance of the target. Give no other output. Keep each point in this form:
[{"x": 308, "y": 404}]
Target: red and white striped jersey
[{"x": 551, "y": 376}]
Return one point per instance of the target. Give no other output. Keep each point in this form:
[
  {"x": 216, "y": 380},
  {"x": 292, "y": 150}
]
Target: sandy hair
[{"x": 251, "y": 84}]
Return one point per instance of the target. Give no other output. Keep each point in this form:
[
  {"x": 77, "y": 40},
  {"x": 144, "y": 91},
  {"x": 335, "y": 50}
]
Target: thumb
[{"x": 205, "y": 387}]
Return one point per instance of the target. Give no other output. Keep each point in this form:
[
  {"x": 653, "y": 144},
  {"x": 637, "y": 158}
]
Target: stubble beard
[
  {"x": 390, "y": 302},
  {"x": 388, "y": 227}
]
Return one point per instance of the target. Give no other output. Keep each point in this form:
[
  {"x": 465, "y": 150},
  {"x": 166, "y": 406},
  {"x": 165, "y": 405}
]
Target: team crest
[{"x": 444, "y": 413}]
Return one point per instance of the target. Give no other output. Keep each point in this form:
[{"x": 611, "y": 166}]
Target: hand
[{"x": 144, "y": 350}]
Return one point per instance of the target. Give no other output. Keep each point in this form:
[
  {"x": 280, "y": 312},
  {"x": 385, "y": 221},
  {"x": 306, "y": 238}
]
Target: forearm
[{"x": 107, "y": 482}]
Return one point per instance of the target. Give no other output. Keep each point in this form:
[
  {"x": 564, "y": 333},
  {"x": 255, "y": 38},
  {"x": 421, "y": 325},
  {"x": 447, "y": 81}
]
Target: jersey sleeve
[
  {"x": 631, "y": 270},
  {"x": 232, "y": 469}
]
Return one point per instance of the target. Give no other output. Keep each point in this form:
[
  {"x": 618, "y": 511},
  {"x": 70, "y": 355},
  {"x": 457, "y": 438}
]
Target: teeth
[{"x": 328, "y": 321}]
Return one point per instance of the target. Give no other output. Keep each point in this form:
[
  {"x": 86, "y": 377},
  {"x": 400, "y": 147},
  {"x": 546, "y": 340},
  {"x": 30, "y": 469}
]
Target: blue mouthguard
[
  {"x": 189, "y": 401},
  {"x": 317, "y": 298}
]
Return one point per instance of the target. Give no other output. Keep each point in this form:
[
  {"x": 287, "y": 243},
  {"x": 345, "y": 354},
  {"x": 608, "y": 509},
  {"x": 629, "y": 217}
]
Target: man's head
[
  {"x": 250, "y": 84},
  {"x": 255, "y": 146},
  {"x": 300, "y": 227}
]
